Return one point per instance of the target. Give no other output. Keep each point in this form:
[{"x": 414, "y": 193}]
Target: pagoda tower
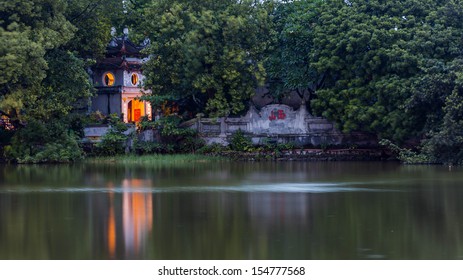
[{"x": 118, "y": 80}]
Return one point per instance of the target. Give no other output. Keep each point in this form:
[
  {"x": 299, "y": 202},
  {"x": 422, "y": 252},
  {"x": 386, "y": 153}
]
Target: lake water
[{"x": 287, "y": 210}]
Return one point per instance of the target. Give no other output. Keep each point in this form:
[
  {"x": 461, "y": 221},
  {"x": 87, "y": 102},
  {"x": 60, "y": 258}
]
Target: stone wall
[
  {"x": 273, "y": 123},
  {"x": 276, "y": 123},
  {"x": 95, "y": 133}
]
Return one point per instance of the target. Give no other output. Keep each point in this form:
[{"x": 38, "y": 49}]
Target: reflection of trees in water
[
  {"x": 422, "y": 220},
  {"x": 35, "y": 175},
  {"x": 223, "y": 225},
  {"x": 44, "y": 226},
  {"x": 320, "y": 226}
]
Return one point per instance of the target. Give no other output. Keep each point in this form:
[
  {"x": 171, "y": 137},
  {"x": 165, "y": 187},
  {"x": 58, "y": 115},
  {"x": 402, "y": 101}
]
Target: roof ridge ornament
[
  {"x": 126, "y": 32},
  {"x": 113, "y": 31}
]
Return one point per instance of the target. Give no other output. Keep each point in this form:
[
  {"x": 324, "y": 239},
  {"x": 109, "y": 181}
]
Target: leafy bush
[
  {"x": 146, "y": 124},
  {"x": 146, "y": 148},
  {"x": 271, "y": 145},
  {"x": 174, "y": 137},
  {"x": 240, "y": 142},
  {"x": 406, "y": 155},
  {"x": 113, "y": 142},
  {"x": 169, "y": 127},
  {"x": 191, "y": 143},
  {"x": 213, "y": 149},
  {"x": 445, "y": 146},
  {"x": 54, "y": 153},
  {"x": 40, "y": 142},
  {"x": 142, "y": 148}
]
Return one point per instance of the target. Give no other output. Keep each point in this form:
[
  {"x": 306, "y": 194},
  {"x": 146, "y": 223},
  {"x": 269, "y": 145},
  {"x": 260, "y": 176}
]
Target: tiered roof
[{"x": 122, "y": 53}]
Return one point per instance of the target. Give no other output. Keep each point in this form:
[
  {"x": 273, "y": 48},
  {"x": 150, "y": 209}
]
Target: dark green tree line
[
  {"x": 46, "y": 47},
  {"x": 288, "y": 59},
  {"x": 389, "y": 68},
  {"x": 389, "y": 65}
]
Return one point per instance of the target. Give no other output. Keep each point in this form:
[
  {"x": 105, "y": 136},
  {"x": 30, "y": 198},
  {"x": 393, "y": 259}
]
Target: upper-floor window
[
  {"x": 134, "y": 79},
  {"x": 108, "y": 79}
]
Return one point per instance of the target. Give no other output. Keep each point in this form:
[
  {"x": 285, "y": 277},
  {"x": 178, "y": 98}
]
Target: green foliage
[
  {"x": 390, "y": 68},
  {"x": 289, "y": 54},
  {"x": 191, "y": 143},
  {"x": 28, "y": 30},
  {"x": 146, "y": 124},
  {"x": 406, "y": 155},
  {"x": 66, "y": 83},
  {"x": 55, "y": 152},
  {"x": 445, "y": 143},
  {"x": 384, "y": 62},
  {"x": 134, "y": 18},
  {"x": 41, "y": 81},
  {"x": 240, "y": 142},
  {"x": 206, "y": 55},
  {"x": 170, "y": 127},
  {"x": 273, "y": 145},
  {"x": 184, "y": 140},
  {"x": 93, "y": 20},
  {"x": 214, "y": 149},
  {"x": 42, "y": 142},
  {"x": 174, "y": 138},
  {"x": 114, "y": 142},
  {"x": 142, "y": 148}
]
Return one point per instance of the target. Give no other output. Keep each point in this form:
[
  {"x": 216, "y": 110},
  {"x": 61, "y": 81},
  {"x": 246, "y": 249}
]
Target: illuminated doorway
[{"x": 135, "y": 110}]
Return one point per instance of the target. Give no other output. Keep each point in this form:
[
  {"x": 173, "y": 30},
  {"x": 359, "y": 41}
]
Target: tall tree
[
  {"x": 41, "y": 79},
  {"x": 205, "y": 54},
  {"x": 93, "y": 21},
  {"x": 28, "y": 30},
  {"x": 384, "y": 62},
  {"x": 134, "y": 18},
  {"x": 288, "y": 64}
]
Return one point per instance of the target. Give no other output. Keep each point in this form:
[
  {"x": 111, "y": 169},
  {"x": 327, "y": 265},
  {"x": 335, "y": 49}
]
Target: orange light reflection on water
[
  {"x": 137, "y": 218},
  {"x": 137, "y": 215}
]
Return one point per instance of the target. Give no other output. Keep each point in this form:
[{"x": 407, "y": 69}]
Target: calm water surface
[{"x": 289, "y": 210}]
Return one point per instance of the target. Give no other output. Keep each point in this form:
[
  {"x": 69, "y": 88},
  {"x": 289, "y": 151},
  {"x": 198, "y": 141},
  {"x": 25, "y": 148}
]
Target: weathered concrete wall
[
  {"x": 275, "y": 123},
  {"x": 277, "y": 120},
  {"x": 94, "y": 133}
]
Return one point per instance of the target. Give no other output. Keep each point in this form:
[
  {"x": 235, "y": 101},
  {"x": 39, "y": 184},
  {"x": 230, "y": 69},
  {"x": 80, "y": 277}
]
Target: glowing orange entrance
[{"x": 135, "y": 110}]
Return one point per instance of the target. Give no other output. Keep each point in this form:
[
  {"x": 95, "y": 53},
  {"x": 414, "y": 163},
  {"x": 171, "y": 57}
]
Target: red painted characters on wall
[{"x": 277, "y": 115}]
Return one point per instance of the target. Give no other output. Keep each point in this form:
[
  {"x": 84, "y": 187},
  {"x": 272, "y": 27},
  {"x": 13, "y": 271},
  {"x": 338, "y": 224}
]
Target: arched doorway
[{"x": 135, "y": 110}]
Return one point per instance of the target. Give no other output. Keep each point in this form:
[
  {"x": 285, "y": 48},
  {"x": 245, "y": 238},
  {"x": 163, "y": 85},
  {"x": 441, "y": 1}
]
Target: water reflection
[
  {"x": 137, "y": 216},
  {"x": 222, "y": 211},
  {"x": 136, "y": 212},
  {"x": 270, "y": 209}
]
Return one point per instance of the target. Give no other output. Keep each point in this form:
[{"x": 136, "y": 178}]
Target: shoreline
[{"x": 310, "y": 155}]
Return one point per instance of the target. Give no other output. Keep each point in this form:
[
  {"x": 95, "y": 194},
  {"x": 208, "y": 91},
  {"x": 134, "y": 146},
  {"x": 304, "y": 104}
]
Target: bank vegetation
[{"x": 392, "y": 69}]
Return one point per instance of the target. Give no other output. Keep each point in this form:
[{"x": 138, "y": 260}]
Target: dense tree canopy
[
  {"x": 44, "y": 51},
  {"x": 389, "y": 68},
  {"x": 205, "y": 53},
  {"x": 289, "y": 54},
  {"x": 93, "y": 21},
  {"x": 28, "y": 30},
  {"x": 389, "y": 65}
]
